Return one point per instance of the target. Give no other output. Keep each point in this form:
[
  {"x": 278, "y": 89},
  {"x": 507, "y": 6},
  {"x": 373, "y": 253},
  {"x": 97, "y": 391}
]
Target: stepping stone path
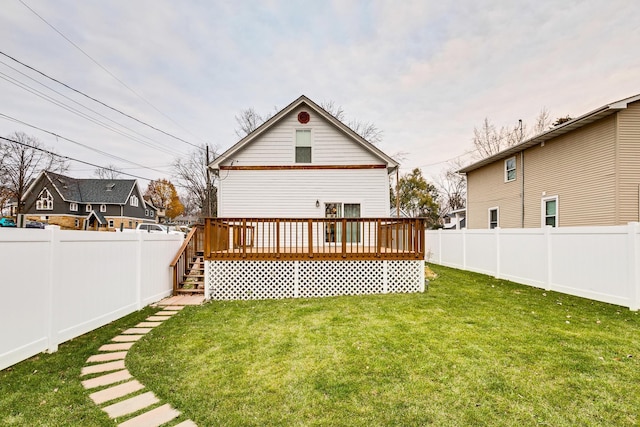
[{"x": 113, "y": 381}]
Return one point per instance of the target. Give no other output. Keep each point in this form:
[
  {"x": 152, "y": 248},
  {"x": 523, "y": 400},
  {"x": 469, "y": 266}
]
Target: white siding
[
  {"x": 276, "y": 147},
  {"x": 293, "y": 193}
]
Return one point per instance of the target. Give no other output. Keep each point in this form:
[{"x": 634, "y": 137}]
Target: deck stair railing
[
  {"x": 188, "y": 265},
  {"x": 313, "y": 239}
]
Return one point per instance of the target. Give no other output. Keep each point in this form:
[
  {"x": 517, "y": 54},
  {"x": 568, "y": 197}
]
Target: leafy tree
[
  {"x": 418, "y": 197},
  {"x": 22, "y": 158},
  {"x": 163, "y": 194},
  {"x": 193, "y": 175}
]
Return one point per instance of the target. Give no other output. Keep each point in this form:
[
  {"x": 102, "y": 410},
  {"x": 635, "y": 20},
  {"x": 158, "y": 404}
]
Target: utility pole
[{"x": 208, "y": 184}]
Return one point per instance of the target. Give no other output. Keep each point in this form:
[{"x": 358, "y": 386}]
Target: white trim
[
  {"x": 506, "y": 170},
  {"x": 497, "y": 209},
  {"x": 88, "y": 208},
  {"x": 543, "y": 210},
  {"x": 295, "y": 143},
  {"x": 73, "y": 207},
  {"x": 303, "y": 100},
  {"x": 103, "y": 207}
]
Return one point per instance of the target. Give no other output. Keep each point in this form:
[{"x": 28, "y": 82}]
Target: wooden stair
[{"x": 193, "y": 281}]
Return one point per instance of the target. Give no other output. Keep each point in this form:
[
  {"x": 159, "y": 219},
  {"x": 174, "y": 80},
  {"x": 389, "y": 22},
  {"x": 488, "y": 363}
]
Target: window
[
  {"x": 493, "y": 218},
  {"x": 550, "y": 211},
  {"x": 45, "y": 201},
  {"x": 303, "y": 145},
  {"x": 73, "y": 207},
  {"x": 111, "y": 223},
  {"x": 77, "y": 222},
  {"x": 133, "y": 201},
  {"x": 510, "y": 169},
  {"x": 103, "y": 208},
  {"x": 146, "y": 212},
  {"x": 88, "y": 208}
]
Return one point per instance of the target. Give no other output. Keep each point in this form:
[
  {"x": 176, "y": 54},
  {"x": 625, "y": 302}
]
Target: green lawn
[{"x": 472, "y": 350}]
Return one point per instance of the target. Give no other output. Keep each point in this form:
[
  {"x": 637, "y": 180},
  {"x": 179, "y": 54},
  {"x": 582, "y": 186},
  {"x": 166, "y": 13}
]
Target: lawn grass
[
  {"x": 46, "y": 389},
  {"x": 470, "y": 351}
]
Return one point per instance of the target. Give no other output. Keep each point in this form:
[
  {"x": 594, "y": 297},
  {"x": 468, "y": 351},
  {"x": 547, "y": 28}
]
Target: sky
[{"x": 426, "y": 73}]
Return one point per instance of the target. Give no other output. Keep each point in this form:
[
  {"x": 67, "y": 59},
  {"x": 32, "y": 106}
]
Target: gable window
[
  {"x": 103, "y": 208},
  {"x": 146, "y": 212},
  {"x": 73, "y": 207},
  {"x": 88, "y": 208},
  {"x": 493, "y": 218},
  {"x": 133, "y": 201},
  {"x": 550, "y": 211},
  {"x": 45, "y": 201},
  {"x": 510, "y": 169},
  {"x": 303, "y": 145}
]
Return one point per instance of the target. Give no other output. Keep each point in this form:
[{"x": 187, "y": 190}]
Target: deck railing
[{"x": 314, "y": 239}]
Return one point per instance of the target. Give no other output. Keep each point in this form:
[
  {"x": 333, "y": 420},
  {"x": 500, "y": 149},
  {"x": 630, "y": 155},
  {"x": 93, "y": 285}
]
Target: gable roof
[
  {"x": 108, "y": 191},
  {"x": 571, "y": 125},
  {"x": 303, "y": 100}
]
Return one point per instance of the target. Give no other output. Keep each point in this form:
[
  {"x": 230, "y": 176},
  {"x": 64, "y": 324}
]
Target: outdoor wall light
[{"x": 317, "y": 203}]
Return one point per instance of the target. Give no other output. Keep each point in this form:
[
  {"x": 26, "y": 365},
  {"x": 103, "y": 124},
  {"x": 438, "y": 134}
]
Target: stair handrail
[{"x": 188, "y": 243}]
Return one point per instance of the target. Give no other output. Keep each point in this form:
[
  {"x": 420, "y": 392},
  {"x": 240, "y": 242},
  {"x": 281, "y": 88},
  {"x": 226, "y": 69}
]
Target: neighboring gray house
[{"x": 86, "y": 204}]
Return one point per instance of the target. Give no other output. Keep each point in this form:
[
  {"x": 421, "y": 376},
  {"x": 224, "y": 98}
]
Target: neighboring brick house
[
  {"x": 86, "y": 204},
  {"x": 585, "y": 172}
]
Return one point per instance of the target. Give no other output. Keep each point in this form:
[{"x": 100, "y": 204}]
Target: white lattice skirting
[{"x": 250, "y": 280}]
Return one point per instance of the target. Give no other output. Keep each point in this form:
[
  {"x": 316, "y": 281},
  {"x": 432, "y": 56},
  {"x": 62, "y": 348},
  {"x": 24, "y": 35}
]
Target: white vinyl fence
[
  {"x": 599, "y": 263},
  {"x": 57, "y": 285}
]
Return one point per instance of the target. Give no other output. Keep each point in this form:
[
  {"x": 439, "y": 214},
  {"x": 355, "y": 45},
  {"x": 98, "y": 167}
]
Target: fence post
[
  {"x": 54, "y": 284},
  {"x": 464, "y": 248},
  {"x": 498, "y": 267},
  {"x": 633, "y": 253},
  {"x": 440, "y": 246},
  {"x": 549, "y": 250},
  {"x": 139, "y": 270}
]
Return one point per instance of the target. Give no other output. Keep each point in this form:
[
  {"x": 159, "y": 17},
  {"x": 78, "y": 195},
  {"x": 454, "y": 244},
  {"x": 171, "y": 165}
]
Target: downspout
[{"x": 522, "y": 185}]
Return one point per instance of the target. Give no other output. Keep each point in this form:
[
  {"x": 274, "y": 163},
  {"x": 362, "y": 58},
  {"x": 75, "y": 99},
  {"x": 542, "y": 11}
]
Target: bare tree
[
  {"x": 452, "y": 188},
  {"x": 108, "y": 172},
  {"x": 489, "y": 140},
  {"x": 249, "y": 120},
  {"x": 22, "y": 158},
  {"x": 191, "y": 173},
  {"x": 367, "y": 130},
  {"x": 543, "y": 121}
]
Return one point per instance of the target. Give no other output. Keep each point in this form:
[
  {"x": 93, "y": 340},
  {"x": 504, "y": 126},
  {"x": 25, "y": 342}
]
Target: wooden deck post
[
  {"x": 343, "y": 235},
  {"x": 310, "y": 226}
]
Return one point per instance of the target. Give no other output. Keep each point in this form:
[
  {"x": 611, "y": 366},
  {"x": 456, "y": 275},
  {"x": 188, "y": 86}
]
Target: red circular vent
[{"x": 303, "y": 117}]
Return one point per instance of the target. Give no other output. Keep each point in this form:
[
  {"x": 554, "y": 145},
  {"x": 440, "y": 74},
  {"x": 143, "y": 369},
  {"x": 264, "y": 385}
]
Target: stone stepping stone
[
  {"x": 126, "y": 338},
  {"x": 173, "y": 307},
  {"x": 156, "y": 318},
  {"x": 154, "y": 418},
  {"x": 131, "y": 405},
  {"x": 107, "y": 379},
  {"x": 115, "y": 392},
  {"x": 137, "y": 331},
  {"x": 166, "y": 313},
  {"x": 105, "y": 357},
  {"x": 116, "y": 347},
  {"x": 103, "y": 367},
  {"x": 148, "y": 324}
]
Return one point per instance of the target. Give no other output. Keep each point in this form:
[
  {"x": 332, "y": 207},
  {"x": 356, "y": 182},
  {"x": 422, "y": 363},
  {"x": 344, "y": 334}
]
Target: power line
[
  {"x": 113, "y": 156},
  {"x": 106, "y": 70},
  {"x": 98, "y": 101},
  {"x": 51, "y": 153},
  {"x": 70, "y": 109},
  {"x": 81, "y": 114}
]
